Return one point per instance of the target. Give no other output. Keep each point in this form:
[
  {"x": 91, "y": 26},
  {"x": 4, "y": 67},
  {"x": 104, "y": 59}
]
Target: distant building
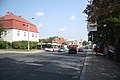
[
  {"x": 18, "y": 29},
  {"x": 75, "y": 42},
  {"x": 59, "y": 40}
]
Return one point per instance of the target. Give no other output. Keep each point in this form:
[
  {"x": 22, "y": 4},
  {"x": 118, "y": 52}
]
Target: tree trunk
[{"x": 117, "y": 49}]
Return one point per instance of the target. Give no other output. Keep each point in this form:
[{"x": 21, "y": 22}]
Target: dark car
[
  {"x": 72, "y": 49},
  {"x": 80, "y": 49}
]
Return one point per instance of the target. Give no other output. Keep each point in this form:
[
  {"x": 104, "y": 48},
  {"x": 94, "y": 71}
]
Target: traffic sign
[{"x": 92, "y": 28}]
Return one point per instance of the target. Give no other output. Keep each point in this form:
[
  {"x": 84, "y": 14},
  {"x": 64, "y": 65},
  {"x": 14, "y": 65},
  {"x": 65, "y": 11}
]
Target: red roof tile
[{"x": 11, "y": 21}]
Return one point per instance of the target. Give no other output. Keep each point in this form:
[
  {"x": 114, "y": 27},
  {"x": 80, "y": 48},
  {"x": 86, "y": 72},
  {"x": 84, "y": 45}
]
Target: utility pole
[
  {"x": 28, "y": 39},
  {"x": 28, "y": 26},
  {"x": 91, "y": 28}
]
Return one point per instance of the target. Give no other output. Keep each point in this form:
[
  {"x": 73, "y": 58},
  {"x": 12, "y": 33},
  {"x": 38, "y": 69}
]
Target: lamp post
[
  {"x": 28, "y": 26},
  {"x": 41, "y": 44},
  {"x": 28, "y": 40}
]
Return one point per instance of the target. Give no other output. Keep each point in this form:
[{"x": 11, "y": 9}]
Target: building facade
[
  {"x": 59, "y": 40},
  {"x": 18, "y": 29},
  {"x": 74, "y": 42}
]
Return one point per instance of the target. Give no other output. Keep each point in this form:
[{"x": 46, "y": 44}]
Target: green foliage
[
  {"x": 107, "y": 15},
  {"x": 48, "y": 40},
  {"x": 66, "y": 43},
  {"x": 24, "y": 45},
  {"x": 42, "y": 40},
  {"x": 33, "y": 45},
  {"x": 84, "y": 43},
  {"x": 5, "y": 45}
]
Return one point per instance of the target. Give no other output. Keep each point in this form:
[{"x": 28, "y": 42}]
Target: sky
[{"x": 63, "y": 18}]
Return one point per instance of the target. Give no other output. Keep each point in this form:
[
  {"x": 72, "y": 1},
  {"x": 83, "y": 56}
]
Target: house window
[
  {"x": 32, "y": 34},
  {"x": 36, "y": 35},
  {"x": 24, "y": 25},
  {"x": 18, "y": 33},
  {"x": 24, "y": 33},
  {"x": 28, "y": 34},
  {"x": 5, "y": 33}
]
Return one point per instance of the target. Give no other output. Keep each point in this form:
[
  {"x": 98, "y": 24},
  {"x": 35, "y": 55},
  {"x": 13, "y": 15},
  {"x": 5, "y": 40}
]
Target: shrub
[
  {"x": 24, "y": 45},
  {"x": 5, "y": 45}
]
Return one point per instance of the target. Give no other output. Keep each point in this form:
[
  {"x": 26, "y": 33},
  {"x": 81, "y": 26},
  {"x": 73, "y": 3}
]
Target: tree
[
  {"x": 107, "y": 15},
  {"x": 48, "y": 40},
  {"x": 42, "y": 40},
  {"x": 84, "y": 43}
]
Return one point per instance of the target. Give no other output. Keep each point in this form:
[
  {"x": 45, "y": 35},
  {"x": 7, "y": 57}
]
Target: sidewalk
[
  {"x": 100, "y": 68},
  {"x": 31, "y": 51}
]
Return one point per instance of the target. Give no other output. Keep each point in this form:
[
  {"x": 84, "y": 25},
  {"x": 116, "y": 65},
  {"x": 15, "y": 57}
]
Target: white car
[
  {"x": 49, "y": 49},
  {"x": 61, "y": 50}
]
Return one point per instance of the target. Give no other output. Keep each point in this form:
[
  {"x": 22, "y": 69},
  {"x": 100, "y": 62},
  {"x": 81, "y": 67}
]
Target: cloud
[
  {"x": 63, "y": 29},
  {"x": 40, "y": 25},
  {"x": 39, "y": 14},
  {"x": 73, "y": 17}
]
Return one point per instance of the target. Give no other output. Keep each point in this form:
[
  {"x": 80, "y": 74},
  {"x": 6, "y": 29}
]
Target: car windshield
[{"x": 62, "y": 48}]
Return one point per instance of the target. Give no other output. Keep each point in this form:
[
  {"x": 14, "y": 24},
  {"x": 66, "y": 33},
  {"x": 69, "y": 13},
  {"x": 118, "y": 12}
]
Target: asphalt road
[{"x": 41, "y": 66}]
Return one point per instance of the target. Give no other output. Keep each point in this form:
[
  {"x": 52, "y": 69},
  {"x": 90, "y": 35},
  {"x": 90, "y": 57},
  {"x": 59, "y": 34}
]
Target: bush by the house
[
  {"x": 24, "y": 45},
  {"x": 5, "y": 45}
]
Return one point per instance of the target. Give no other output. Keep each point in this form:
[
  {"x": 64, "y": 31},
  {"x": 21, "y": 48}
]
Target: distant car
[
  {"x": 55, "y": 49},
  {"x": 72, "y": 49},
  {"x": 61, "y": 49},
  {"x": 80, "y": 49},
  {"x": 51, "y": 49}
]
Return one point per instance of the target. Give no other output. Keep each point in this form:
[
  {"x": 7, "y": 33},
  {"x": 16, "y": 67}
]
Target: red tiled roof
[
  {"x": 59, "y": 40},
  {"x": 11, "y": 21}
]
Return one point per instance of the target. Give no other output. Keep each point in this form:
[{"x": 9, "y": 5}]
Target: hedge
[
  {"x": 5, "y": 45},
  {"x": 24, "y": 45}
]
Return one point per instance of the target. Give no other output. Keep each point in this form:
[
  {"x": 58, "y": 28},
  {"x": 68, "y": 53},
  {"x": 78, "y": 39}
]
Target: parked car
[
  {"x": 80, "y": 49},
  {"x": 61, "y": 49},
  {"x": 49, "y": 49},
  {"x": 55, "y": 49},
  {"x": 72, "y": 49}
]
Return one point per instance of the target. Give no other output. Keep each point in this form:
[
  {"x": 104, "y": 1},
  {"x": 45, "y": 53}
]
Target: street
[{"x": 41, "y": 66}]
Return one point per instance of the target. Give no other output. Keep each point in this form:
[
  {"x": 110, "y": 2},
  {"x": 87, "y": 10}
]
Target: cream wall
[
  {"x": 8, "y": 35},
  {"x": 12, "y": 35}
]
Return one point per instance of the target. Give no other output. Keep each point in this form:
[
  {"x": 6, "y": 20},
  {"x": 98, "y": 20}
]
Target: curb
[
  {"x": 4, "y": 52},
  {"x": 83, "y": 69}
]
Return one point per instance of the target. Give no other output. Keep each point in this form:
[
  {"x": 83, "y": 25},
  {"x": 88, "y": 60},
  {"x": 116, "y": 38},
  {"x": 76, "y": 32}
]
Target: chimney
[
  {"x": 9, "y": 13},
  {"x": 20, "y": 16}
]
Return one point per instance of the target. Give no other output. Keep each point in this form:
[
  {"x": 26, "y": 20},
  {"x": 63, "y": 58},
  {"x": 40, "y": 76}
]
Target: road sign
[{"x": 92, "y": 28}]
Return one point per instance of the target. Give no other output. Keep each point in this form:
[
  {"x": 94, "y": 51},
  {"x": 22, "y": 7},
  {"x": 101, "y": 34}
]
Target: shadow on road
[{"x": 46, "y": 68}]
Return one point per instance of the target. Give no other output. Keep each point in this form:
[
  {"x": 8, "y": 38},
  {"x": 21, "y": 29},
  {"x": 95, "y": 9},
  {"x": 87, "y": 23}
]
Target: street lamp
[
  {"x": 28, "y": 39},
  {"x": 28, "y": 26},
  {"x": 41, "y": 44}
]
